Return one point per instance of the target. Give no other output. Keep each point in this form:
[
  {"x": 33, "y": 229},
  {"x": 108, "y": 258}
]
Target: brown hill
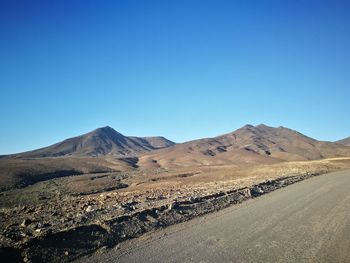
[
  {"x": 104, "y": 150},
  {"x": 100, "y": 142},
  {"x": 345, "y": 141},
  {"x": 248, "y": 145}
]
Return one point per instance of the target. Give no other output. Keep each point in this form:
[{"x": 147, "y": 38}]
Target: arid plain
[{"x": 102, "y": 188}]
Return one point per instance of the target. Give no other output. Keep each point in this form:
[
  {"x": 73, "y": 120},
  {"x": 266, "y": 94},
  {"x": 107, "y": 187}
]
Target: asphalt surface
[{"x": 305, "y": 222}]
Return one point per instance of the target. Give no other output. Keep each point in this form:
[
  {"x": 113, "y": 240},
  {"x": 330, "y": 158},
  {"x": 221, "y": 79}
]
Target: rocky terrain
[
  {"x": 21, "y": 172},
  {"x": 245, "y": 146},
  {"x": 345, "y": 141},
  {"x": 100, "y": 142},
  {"x": 64, "y": 218},
  {"x": 60, "y": 208}
]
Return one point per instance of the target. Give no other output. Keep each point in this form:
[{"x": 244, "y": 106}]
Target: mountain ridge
[
  {"x": 246, "y": 145},
  {"x": 99, "y": 142},
  {"x": 105, "y": 150}
]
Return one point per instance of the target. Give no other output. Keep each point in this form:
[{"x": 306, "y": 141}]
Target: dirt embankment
[{"x": 72, "y": 243}]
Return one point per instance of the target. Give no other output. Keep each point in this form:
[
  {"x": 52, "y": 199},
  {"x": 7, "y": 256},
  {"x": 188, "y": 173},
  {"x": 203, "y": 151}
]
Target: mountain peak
[
  {"x": 108, "y": 131},
  {"x": 99, "y": 142},
  {"x": 261, "y": 125},
  {"x": 105, "y": 128},
  {"x": 247, "y": 145},
  {"x": 248, "y": 126}
]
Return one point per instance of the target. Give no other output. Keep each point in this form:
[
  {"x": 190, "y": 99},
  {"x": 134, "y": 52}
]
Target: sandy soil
[{"x": 58, "y": 204}]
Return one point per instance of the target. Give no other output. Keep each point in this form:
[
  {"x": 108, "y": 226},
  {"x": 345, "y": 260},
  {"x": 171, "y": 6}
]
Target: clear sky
[{"x": 181, "y": 69}]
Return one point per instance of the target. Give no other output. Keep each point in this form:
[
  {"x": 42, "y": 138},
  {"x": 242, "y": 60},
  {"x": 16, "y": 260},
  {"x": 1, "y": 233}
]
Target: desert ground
[
  {"x": 101, "y": 189},
  {"x": 53, "y": 206},
  {"x": 304, "y": 222}
]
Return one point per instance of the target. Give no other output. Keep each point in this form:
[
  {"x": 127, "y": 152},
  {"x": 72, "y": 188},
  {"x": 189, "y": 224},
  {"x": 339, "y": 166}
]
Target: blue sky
[{"x": 181, "y": 69}]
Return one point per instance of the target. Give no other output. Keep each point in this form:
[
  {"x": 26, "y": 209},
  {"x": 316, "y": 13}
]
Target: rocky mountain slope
[
  {"x": 345, "y": 141},
  {"x": 100, "y": 142},
  {"x": 106, "y": 150},
  {"x": 248, "y": 145}
]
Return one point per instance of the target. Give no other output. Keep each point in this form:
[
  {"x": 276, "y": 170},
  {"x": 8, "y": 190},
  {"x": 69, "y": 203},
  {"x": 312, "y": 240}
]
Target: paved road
[{"x": 305, "y": 222}]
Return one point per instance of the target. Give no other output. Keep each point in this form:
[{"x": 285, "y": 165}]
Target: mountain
[
  {"x": 100, "y": 142},
  {"x": 105, "y": 150},
  {"x": 345, "y": 141},
  {"x": 248, "y": 145}
]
